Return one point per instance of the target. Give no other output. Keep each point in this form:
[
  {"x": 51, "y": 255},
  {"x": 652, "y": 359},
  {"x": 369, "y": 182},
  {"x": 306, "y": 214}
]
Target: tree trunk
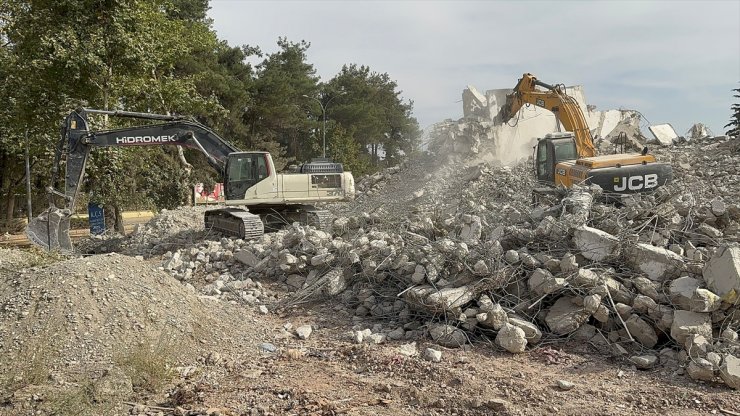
[{"x": 119, "y": 220}]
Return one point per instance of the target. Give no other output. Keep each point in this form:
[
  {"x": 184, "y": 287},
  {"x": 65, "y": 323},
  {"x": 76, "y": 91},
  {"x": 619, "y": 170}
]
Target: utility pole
[
  {"x": 323, "y": 112},
  {"x": 28, "y": 181}
]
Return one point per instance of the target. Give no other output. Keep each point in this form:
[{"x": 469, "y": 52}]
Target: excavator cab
[
  {"x": 243, "y": 171},
  {"x": 551, "y": 150}
]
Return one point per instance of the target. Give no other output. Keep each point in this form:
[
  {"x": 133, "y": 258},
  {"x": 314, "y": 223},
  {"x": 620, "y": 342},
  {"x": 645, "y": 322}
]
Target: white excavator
[{"x": 257, "y": 197}]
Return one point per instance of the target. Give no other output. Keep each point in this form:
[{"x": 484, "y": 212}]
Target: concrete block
[
  {"x": 682, "y": 290},
  {"x": 595, "y": 244},
  {"x": 642, "y": 331},
  {"x": 657, "y": 263},
  {"x": 722, "y": 272},
  {"x": 542, "y": 282},
  {"x": 511, "y": 338},
  {"x": 730, "y": 371},
  {"x": 565, "y": 316},
  {"x": 686, "y": 323}
]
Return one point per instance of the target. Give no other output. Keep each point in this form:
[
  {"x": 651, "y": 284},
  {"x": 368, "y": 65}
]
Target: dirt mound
[{"x": 78, "y": 315}]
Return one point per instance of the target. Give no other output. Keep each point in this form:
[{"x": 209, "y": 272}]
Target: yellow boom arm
[{"x": 555, "y": 99}]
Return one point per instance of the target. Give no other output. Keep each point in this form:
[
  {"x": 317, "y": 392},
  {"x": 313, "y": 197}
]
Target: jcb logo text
[{"x": 635, "y": 183}]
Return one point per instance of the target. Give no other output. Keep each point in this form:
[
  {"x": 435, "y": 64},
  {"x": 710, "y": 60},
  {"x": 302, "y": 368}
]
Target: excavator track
[{"x": 235, "y": 222}]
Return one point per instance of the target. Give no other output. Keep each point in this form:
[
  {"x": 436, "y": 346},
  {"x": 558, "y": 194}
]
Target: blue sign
[{"x": 97, "y": 218}]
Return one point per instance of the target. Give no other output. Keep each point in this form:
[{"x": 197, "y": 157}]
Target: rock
[
  {"x": 432, "y": 355},
  {"x": 722, "y": 272},
  {"x": 595, "y": 244},
  {"x": 511, "y": 338},
  {"x": 542, "y": 282},
  {"x": 643, "y": 304},
  {"x": 408, "y": 350},
  {"x": 565, "y": 385},
  {"x": 531, "y": 332},
  {"x": 568, "y": 263},
  {"x": 360, "y": 336},
  {"x": 718, "y": 207},
  {"x": 565, "y": 317},
  {"x": 700, "y": 369},
  {"x": 729, "y": 335},
  {"x": 642, "y": 331},
  {"x": 397, "y": 334},
  {"x": 495, "y": 317},
  {"x": 449, "y": 298},
  {"x": 681, "y": 291},
  {"x": 705, "y": 301},
  {"x": 448, "y": 336},
  {"x": 267, "y": 347},
  {"x": 336, "y": 282},
  {"x": 480, "y": 268},
  {"x": 304, "y": 331},
  {"x": 657, "y": 263},
  {"x": 419, "y": 274},
  {"x": 729, "y": 371},
  {"x": 246, "y": 257},
  {"x": 686, "y": 323},
  {"x": 321, "y": 259},
  {"x": 696, "y": 346},
  {"x": 591, "y": 303},
  {"x": 375, "y": 338},
  {"x": 263, "y": 310},
  {"x": 644, "y": 362},
  {"x": 511, "y": 257}
]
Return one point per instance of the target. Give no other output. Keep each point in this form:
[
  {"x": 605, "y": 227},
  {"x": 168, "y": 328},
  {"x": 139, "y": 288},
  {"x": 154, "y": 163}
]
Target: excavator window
[{"x": 565, "y": 151}]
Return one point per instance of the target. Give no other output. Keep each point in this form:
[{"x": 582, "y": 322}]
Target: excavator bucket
[{"x": 50, "y": 230}]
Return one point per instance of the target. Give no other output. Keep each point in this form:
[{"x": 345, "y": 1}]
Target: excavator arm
[
  {"x": 555, "y": 99},
  {"x": 51, "y": 229}
]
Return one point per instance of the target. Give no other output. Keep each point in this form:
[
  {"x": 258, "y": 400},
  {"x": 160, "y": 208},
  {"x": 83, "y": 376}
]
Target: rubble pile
[{"x": 655, "y": 277}]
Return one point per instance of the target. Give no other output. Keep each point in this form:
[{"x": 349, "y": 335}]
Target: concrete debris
[
  {"x": 448, "y": 336},
  {"x": 565, "y": 316},
  {"x": 432, "y": 355},
  {"x": 511, "y": 338},
  {"x": 722, "y": 272},
  {"x": 452, "y": 248},
  {"x": 409, "y": 350},
  {"x": 565, "y": 385},
  {"x": 304, "y": 331},
  {"x": 687, "y": 323},
  {"x": 729, "y": 371},
  {"x": 700, "y": 369},
  {"x": 644, "y": 362},
  {"x": 664, "y": 134}
]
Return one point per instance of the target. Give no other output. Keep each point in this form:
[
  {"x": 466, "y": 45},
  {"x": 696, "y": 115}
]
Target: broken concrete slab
[
  {"x": 448, "y": 335},
  {"x": 531, "y": 332},
  {"x": 686, "y": 323},
  {"x": 681, "y": 291},
  {"x": 729, "y": 371},
  {"x": 642, "y": 331},
  {"x": 565, "y": 316},
  {"x": 658, "y": 264},
  {"x": 595, "y": 244},
  {"x": 664, "y": 134},
  {"x": 542, "y": 282},
  {"x": 722, "y": 272}
]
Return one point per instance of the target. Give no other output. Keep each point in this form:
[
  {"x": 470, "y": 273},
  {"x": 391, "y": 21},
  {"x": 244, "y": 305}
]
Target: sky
[{"x": 674, "y": 61}]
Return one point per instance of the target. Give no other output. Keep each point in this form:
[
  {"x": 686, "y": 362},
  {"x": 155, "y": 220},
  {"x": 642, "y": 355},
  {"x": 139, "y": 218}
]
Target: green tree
[
  {"x": 280, "y": 108},
  {"x": 734, "y": 123},
  {"x": 114, "y": 54},
  {"x": 372, "y": 108}
]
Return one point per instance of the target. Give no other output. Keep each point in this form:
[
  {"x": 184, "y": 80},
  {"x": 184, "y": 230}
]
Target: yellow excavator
[{"x": 568, "y": 158}]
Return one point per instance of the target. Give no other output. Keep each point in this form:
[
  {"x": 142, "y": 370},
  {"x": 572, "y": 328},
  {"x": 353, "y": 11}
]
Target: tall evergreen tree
[{"x": 734, "y": 123}]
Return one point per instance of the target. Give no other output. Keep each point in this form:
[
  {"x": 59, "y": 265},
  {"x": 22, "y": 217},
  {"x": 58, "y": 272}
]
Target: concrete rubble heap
[
  {"x": 655, "y": 271},
  {"x": 448, "y": 246}
]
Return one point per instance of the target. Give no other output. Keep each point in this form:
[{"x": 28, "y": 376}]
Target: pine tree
[{"x": 734, "y": 123}]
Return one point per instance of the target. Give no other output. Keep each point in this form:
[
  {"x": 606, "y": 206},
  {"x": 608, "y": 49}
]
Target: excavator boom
[
  {"x": 555, "y": 99},
  {"x": 51, "y": 229}
]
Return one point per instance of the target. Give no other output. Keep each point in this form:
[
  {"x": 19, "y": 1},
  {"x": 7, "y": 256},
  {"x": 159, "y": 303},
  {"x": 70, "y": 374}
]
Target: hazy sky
[{"x": 674, "y": 61}]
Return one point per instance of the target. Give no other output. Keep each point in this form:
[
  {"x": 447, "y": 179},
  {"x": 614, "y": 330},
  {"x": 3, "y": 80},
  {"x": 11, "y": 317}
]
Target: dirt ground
[{"x": 219, "y": 367}]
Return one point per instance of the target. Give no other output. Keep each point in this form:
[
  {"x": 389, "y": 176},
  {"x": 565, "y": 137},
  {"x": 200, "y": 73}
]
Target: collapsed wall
[{"x": 481, "y": 133}]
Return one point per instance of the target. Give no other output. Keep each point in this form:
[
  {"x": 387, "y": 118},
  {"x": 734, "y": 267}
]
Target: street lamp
[{"x": 323, "y": 112}]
